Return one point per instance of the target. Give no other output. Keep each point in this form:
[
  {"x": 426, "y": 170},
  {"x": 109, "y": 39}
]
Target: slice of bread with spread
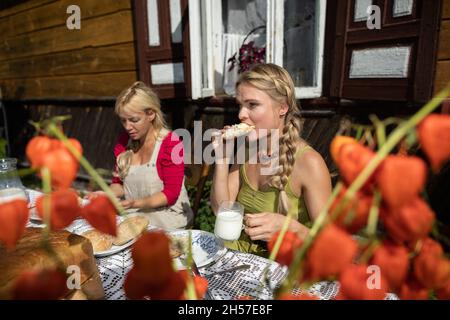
[{"x": 237, "y": 130}]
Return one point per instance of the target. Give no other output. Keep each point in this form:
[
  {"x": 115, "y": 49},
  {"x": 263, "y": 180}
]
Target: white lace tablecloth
[{"x": 227, "y": 286}]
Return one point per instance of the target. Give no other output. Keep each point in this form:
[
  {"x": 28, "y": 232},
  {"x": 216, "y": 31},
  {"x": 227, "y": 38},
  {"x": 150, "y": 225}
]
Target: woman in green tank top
[{"x": 288, "y": 176}]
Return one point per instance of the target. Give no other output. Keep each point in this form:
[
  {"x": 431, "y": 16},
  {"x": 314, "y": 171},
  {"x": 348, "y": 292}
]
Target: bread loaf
[
  {"x": 130, "y": 229},
  {"x": 100, "y": 241},
  {"x": 72, "y": 250}
]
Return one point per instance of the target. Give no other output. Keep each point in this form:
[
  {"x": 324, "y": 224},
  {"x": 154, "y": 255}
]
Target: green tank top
[{"x": 256, "y": 201}]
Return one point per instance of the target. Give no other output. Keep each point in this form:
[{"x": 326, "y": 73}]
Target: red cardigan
[{"x": 171, "y": 174}]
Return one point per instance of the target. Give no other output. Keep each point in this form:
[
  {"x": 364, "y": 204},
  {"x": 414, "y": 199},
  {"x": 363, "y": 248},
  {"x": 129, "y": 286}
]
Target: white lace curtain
[{"x": 240, "y": 17}]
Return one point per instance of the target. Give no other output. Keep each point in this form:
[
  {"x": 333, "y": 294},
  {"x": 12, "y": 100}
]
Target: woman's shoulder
[
  {"x": 171, "y": 148},
  {"x": 169, "y": 138},
  {"x": 309, "y": 162}
]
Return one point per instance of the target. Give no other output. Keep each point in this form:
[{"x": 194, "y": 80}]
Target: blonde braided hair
[
  {"x": 278, "y": 84},
  {"x": 138, "y": 97}
]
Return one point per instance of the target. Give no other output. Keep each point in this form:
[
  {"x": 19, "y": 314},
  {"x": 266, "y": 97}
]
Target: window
[
  {"x": 291, "y": 31},
  {"x": 162, "y": 32}
]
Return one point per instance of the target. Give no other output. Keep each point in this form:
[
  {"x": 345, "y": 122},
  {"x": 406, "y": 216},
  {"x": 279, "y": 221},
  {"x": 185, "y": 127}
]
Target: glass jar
[{"x": 11, "y": 186}]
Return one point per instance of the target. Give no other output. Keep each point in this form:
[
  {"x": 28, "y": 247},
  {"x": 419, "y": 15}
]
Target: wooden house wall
[
  {"x": 443, "y": 64},
  {"x": 41, "y": 58},
  {"x": 95, "y": 126}
]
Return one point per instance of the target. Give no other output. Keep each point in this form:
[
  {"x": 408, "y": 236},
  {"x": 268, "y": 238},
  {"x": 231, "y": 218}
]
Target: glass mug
[
  {"x": 10, "y": 194},
  {"x": 229, "y": 221},
  {"x": 11, "y": 186}
]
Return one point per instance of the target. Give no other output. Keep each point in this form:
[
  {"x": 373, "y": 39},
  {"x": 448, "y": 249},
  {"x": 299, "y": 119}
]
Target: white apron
[{"x": 143, "y": 181}]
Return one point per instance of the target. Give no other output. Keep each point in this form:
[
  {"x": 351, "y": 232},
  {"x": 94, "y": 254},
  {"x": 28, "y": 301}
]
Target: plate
[
  {"x": 82, "y": 226},
  {"x": 34, "y": 217},
  {"x": 206, "y": 247}
]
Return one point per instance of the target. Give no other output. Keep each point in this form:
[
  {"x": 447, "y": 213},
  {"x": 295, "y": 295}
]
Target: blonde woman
[
  {"x": 301, "y": 184},
  {"x": 147, "y": 175}
]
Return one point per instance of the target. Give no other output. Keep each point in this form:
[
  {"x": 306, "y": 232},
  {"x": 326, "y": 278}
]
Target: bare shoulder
[{"x": 311, "y": 165}]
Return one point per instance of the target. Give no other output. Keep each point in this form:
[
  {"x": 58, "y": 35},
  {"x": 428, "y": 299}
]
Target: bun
[
  {"x": 238, "y": 130},
  {"x": 100, "y": 241},
  {"x": 130, "y": 229}
]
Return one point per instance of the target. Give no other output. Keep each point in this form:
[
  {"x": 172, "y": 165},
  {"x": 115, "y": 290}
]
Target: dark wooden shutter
[
  {"x": 167, "y": 53},
  {"x": 352, "y": 40}
]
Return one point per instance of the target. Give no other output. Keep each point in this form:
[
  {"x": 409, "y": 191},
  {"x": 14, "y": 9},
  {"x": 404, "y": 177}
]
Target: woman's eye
[{"x": 134, "y": 120}]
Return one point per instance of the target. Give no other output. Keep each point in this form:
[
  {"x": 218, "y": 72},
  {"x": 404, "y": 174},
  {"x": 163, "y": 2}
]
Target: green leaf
[{"x": 3, "y": 144}]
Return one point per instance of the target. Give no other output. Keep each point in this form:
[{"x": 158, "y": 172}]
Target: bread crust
[
  {"x": 130, "y": 229},
  {"x": 100, "y": 241}
]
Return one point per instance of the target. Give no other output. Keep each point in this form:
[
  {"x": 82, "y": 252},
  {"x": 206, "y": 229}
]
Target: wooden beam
[
  {"x": 446, "y": 9},
  {"x": 442, "y": 75},
  {"x": 27, "y": 5},
  {"x": 96, "y": 32},
  {"x": 114, "y": 58},
  {"x": 444, "y": 42},
  {"x": 55, "y": 14},
  {"x": 80, "y": 86}
]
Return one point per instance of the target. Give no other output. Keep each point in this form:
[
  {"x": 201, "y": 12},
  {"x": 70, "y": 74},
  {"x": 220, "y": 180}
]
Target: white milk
[
  {"x": 228, "y": 225},
  {"x": 7, "y": 195}
]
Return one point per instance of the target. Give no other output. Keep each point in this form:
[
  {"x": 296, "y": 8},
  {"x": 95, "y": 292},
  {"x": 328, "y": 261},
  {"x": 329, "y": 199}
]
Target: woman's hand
[
  {"x": 94, "y": 195},
  {"x": 128, "y": 204},
  {"x": 263, "y": 226},
  {"x": 219, "y": 145}
]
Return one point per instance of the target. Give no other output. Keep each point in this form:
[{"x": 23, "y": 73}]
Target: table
[{"x": 228, "y": 286}]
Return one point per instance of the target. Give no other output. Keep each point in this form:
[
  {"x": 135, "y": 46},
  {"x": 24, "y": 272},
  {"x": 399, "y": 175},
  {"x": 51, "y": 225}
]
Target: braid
[
  {"x": 288, "y": 148},
  {"x": 278, "y": 84}
]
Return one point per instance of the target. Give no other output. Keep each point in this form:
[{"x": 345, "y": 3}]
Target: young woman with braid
[
  {"x": 146, "y": 175},
  {"x": 301, "y": 184}
]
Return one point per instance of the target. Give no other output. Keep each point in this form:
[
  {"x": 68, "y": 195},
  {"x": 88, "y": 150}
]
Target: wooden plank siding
[
  {"x": 41, "y": 59},
  {"x": 118, "y": 57},
  {"x": 443, "y": 63},
  {"x": 446, "y": 10},
  {"x": 54, "y": 14},
  {"x": 26, "y": 6},
  {"x": 83, "y": 86}
]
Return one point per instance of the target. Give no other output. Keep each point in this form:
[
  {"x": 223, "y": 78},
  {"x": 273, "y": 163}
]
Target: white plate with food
[
  {"x": 129, "y": 229},
  {"x": 206, "y": 247},
  {"x": 33, "y": 196}
]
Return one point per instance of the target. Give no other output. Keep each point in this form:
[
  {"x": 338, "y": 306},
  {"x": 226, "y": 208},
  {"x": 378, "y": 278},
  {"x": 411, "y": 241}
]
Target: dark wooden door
[{"x": 162, "y": 36}]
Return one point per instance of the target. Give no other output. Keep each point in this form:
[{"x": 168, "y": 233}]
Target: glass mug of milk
[
  {"x": 229, "y": 221},
  {"x": 10, "y": 194}
]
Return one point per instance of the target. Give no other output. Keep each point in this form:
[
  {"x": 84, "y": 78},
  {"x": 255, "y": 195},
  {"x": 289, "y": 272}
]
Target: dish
[
  {"x": 206, "y": 247},
  {"x": 82, "y": 227},
  {"x": 33, "y": 211}
]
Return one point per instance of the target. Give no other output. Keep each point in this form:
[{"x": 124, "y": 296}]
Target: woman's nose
[
  {"x": 243, "y": 115},
  {"x": 127, "y": 125}
]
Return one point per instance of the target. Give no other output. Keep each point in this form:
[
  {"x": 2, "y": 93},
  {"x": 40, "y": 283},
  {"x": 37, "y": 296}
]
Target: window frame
[
  {"x": 420, "y": 32},
  {"x": 206, "y": 55}
]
